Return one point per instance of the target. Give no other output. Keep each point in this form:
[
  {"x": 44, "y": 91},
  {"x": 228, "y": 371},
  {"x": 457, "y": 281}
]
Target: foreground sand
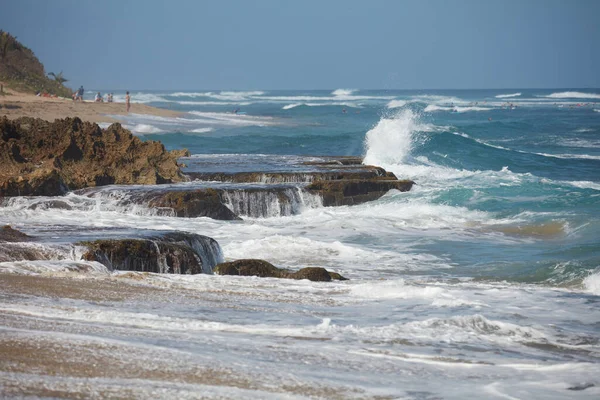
[{"x": 15, "y": 105}]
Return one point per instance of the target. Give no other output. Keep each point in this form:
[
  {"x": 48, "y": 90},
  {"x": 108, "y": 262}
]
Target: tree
[{"x": 58, "y": 77}]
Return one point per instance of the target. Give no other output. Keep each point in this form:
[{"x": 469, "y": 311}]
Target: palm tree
[{"x": 58, "y": 77}]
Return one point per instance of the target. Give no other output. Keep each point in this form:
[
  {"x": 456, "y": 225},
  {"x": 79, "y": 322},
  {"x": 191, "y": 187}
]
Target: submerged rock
[
  {"x": 264, "y": 269},
  {"x": 8, "y": 234},
  {"x": 49, "y": 158}
]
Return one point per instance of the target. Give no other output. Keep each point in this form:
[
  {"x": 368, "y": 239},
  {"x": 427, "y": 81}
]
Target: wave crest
[
  {"x": 572, "y": 95},
  {"x": 343, "y": 92},
  {"x": 504, "y": 96}
]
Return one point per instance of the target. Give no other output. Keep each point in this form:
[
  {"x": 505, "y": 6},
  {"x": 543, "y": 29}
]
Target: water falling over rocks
[{"x": 175, "y": 253}]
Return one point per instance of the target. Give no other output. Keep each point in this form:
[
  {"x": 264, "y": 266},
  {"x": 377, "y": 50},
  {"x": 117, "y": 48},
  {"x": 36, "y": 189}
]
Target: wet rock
[
  {"x": 264, "y": 269},
  {"x": 190, "y": 204},
  {"x": 362, "y": 172},
  {"x": 356, "y": 191},
  {"x": 40, "y": 182},
  {"x": 47, "y": 158},
  {"x": 175, "y": 254},
  {"x": 8, "y": 234}
]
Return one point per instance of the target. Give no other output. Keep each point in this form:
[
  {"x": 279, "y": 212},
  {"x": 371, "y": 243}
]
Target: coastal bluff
[{"x": 41, "y": 158}]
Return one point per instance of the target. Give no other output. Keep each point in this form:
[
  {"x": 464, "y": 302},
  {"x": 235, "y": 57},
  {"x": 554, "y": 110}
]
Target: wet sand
[{"x": 72, "y": 359}]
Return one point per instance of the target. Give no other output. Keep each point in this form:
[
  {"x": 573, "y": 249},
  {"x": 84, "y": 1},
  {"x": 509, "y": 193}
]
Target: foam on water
[
  {"x": 343, "y": 92},
  {"x": 234, "y": 119},
  {"x": 140, "y": 98},
  {"x": 573, "y": 95},
  {"x": 391, "y": 140},
  {"x": 504, "y": 96},
  {"x": 592, "y": 283},
  {"x": 229, "y": 96},
  {"x": 52, "y": 267},
  {"x": 433, "y": 107},
  {"x": 143, "y": 128},
  {"x": 396, "y": 103},
  {"x": 202, "y": 130}
]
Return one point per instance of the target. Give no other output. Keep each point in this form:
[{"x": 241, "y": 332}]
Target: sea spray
[{"x": 391, "y": 140}]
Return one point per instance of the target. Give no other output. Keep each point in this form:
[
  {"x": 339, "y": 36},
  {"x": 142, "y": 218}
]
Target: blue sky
[{"x": 306, "y": 44}]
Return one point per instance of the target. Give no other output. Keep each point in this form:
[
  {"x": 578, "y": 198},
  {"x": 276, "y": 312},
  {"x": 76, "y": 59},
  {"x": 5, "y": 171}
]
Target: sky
[{"x": 312, "y": 44}]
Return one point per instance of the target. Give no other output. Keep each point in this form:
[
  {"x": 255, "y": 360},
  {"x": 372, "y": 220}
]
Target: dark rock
[
  {"x": 40, "y": 182},
  {"x": 8, "y": 234},
  {"x": 47, "y": 158},
  {"x": 173, "y": 253},
  {"x": 56, "y": 204},
  {"x": 249, "y": 267},
  {"x": 264, "y": 269},
  {"x": 356, "y": 191},
  {"x": 316, "y": 274},
  {"x": 190, "y": 204}
]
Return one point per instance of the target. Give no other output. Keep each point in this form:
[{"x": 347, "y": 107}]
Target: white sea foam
[
  {"x": 504, "y": 96},
  {"x": 396, "y": 104},
  {"x": 584, "y": 184},
  {"x": 343, "y": 92},
  {"x": 566, "y": 156},
  {"x": 391, "y": 140},
  {"x": 143, "y": 128},
  {"x": 52, "y": 266},
  {"x": 596, "y": 110},
  {"x": 329, "y": 104},
  {"x": 234, "y": 119},
  {"x": 439, "y": 100},
  {"x": 223, "y": 95},
  {"x": 573, "y": 95},
  {"x": 592, "y": 283},
  {"x": 215, "y": 103},
  {"x": 458, "y": 109},
  {"x": 202, "y": 130},
  {"x": 140, "y": 98}
]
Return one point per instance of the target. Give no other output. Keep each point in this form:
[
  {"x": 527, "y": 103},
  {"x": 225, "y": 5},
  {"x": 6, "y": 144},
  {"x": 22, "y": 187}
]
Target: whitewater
[{"x": 482, "y": 281}]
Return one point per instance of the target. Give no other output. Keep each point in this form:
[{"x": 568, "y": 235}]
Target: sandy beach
[{"x": 15, "y": 105}]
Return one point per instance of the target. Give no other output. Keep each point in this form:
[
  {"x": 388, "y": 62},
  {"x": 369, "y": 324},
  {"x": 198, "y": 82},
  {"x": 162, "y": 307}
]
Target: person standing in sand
[{"x": 127, "y": 101}]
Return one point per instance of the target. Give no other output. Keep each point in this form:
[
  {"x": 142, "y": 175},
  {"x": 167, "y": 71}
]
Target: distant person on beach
[
  {"x": 127, "y": 101},
  {"x": 98, "y": 98},
  {"x": 109, "y": 97},
  {"x": 79, "y": 94}
]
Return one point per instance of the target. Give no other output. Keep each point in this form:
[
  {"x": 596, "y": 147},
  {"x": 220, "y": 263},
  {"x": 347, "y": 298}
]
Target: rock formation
[
  {"x": 175, "y": 253},
  {"x": 49, "y": 158}
]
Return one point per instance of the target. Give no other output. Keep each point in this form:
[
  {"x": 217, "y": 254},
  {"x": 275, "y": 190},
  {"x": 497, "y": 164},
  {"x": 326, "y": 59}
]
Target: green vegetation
[{"x": 22, "y": 71}]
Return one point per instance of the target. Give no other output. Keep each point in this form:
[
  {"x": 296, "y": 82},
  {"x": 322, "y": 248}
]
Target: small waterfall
[
  {"x": 207, "y": 249},
  {"x": 270, "y": 203},
  {"x": 161, "y": 260}
]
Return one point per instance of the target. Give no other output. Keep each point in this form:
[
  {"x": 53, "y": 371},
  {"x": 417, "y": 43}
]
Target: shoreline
[{"x": 15, "y": 105}]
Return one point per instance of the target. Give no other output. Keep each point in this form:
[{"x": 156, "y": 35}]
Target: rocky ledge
[{"x": 43, "y": 158}]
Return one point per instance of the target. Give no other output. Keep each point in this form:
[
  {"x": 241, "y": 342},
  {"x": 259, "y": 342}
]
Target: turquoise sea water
[{"x": 484, "y": 278}]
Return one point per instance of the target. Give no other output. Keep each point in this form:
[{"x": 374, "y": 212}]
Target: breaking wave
[
  {"x": 572, "y": 95},
  {"x": 504, "y": 96}
]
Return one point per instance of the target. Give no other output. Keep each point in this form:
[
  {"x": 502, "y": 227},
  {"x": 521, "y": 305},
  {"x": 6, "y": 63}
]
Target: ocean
[{"x": 482, "y": 281}]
